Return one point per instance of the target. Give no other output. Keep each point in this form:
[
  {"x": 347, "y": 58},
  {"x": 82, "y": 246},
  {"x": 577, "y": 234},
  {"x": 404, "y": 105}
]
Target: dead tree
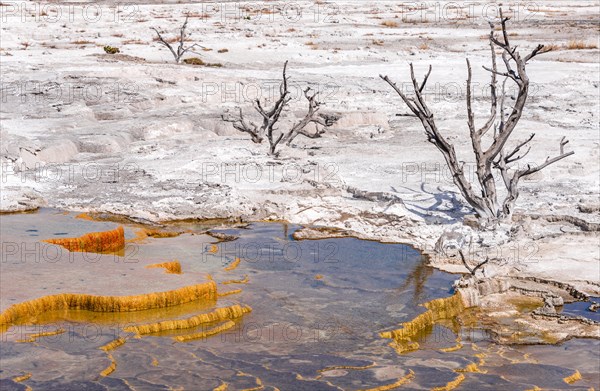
[
  {"x": 495, "y": 156},
  {"x": 270, "y": 117},
  {"x": 181, "y": 50},
  {"x": 472, "y": 270}
]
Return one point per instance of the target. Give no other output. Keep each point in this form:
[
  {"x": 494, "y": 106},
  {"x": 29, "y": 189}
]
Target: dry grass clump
[
  {"x": 198, "y": 62},
  {"x": 389, "y": 23},
  {"x": 579, "y": 44}
]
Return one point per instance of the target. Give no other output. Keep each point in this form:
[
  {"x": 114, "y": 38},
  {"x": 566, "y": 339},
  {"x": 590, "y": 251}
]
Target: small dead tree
[
  {"x": 181, "y": 50},
  {"x": 472, "y": 270},
  {"x": 270, "y": 117},
  {"x": 494, "y": 156}
]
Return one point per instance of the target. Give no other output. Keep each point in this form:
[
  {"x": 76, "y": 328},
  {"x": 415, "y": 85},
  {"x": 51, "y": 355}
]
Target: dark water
[{"x": 317, "y": 309}]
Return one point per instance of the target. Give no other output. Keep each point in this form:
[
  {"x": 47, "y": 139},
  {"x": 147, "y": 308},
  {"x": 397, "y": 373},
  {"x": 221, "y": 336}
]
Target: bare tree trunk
[
  {"x": 181, "y": 50},
  {"x": 486, "y": 205}
]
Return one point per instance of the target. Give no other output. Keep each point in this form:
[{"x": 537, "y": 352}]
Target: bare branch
[
  {"x": 495, "y": 156},
  {"x": 270, "y": 117},
  {"x": 181, "y": 50},
  {"x": 472, "y": 270}
]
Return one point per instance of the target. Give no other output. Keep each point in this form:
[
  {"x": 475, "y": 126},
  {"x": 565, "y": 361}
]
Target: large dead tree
[
  {"x": 271, "y": 116},
  {"x": 484, "y": 200},
  {"x": 181, "y": 50}
]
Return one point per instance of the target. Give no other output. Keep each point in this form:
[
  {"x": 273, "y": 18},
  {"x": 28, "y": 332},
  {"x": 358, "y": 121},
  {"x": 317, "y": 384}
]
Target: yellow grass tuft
[
  {"x": 389, "y": 23},
  {"x": 579, "y": 44}
]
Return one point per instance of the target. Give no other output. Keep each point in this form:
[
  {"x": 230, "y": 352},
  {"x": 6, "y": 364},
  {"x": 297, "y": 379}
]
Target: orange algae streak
[
  {"x": 403, "y": 380},
  {"x": 154, "y": 362},
  {"x": 573, "y": 378},
  {"x": 173, "y": 267},
  {"x": 452, "y": 384},
  {"x": 213, "y": 249},
  {"x": 242, "y": 281},
  {"x": 74, "y": 301},
  {"x": 94, "y": 242},
  {"x": 222, "y": 387},
  {"x": 113, "y": 344},
  {"x": 205, "y": 334},
  {"x": 111, "y": 368},
  {"x": 233, "y": 265},
  {"x": 22, "y": 378},
  {"x": 155, "y": 233},
  {"x": 84, "y": 216},
  {"x": 218, "y": 315},
  {"x": 444, "y": 308},
  {"x": 34, "y": 337},
  {"x": 454, "y": 348},
  {"x": 232, "y": 292}
]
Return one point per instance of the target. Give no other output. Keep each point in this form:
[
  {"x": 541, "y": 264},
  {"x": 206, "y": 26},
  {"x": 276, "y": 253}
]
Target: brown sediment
[
  {"x": 218, "y": 315},
  {"x": 231, "y": 292},
  {"x": 64, "y": 301},
  {"x": 242, "y": 281},
  {"x": 113, "y": 344},
  {"x": 573, "y": 378},
  {"x": 221, "y": 237},
  {"x": 205, "y": 334},
  {"x": 222, "y": 387},
  {"x": 33, "y": 337},
  {"x": 173, "y": 267},
  {"x": 111, "y": 368},
  {"x": 233, "y": 265},
  {"x": 438, "y": 309},
  {"x": 34, "y": 209},
  {"x": 400, "y": 382},
  {"x": 22, "y": 378},
  {"x": 451, "y": 385},
  {"x": 94, "y": 242}
]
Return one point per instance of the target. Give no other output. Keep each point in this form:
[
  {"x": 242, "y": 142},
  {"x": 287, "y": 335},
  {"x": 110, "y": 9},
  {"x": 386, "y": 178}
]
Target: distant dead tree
[
  {"x": 486, "y": 203},
  {"x": 181, "y": 50},
  {"x": 270, "y": 117}
]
